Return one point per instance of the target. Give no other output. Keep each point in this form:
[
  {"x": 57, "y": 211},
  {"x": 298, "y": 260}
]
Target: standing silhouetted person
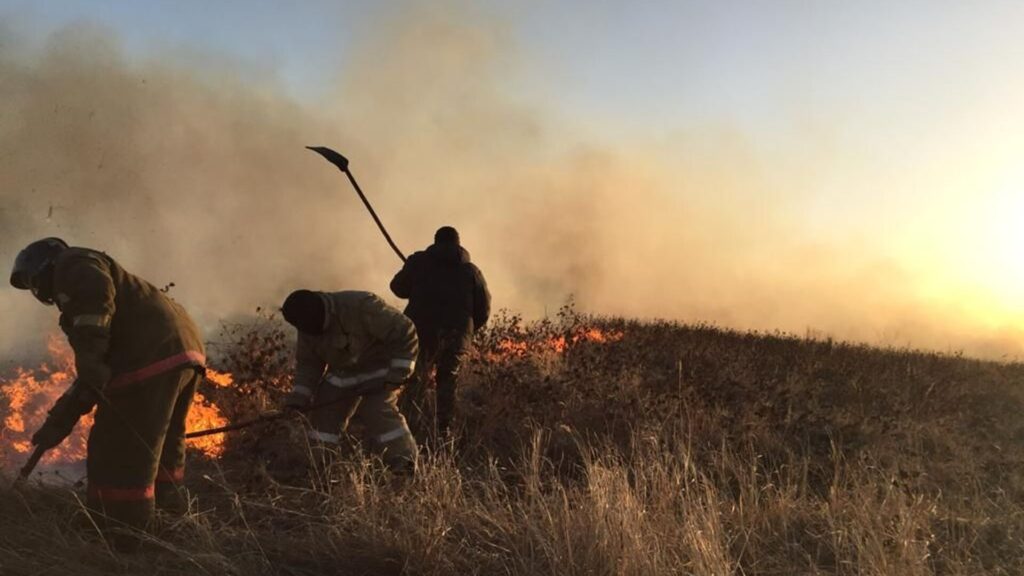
[{"x": 448, "y": 301}]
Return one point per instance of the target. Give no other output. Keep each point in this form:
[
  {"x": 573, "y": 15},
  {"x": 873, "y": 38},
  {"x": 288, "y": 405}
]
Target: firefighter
[
  {"x": 353, "y": 354},
  {"x": 448, "y": 301},
  {"x": 138, "y": 359}
]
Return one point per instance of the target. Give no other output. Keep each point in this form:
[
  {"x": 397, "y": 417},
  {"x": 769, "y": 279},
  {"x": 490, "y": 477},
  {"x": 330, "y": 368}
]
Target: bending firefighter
[
  {"x": 354, "y": 353},
  {"x": 448, "y": 301},
  {"x": 138, "y": 358}
]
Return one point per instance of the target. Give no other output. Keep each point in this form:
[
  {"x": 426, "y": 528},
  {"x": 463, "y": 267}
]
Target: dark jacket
[
  {"x": 121, "y": 328},
  {"x": 446, "y": 291}
]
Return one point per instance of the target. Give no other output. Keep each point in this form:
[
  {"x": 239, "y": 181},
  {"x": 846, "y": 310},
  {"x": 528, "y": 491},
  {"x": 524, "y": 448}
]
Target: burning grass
[
  {"x": 652, "y": 449},
  {"x": 27, "y": 394}
]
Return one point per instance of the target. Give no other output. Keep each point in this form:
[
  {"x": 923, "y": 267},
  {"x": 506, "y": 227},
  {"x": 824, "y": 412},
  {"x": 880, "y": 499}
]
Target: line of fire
[{"x": 27, "y": 392}]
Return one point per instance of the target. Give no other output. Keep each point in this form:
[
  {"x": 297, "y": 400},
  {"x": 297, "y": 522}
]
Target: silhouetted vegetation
[{"x": 606, "y": 446}]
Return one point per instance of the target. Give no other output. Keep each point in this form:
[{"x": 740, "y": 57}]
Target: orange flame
[
  {"x": 595, "y": 335},
  {"x": 221, "y": 379},
  {"x": 512, "y": 348},
  {"x": 27, "y": 395},
  {"x": 204, "y": 415}
]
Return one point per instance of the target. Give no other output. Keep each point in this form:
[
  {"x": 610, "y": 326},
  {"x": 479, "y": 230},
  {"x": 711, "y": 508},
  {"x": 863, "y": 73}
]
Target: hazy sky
[{"x": 888, "y": 134}]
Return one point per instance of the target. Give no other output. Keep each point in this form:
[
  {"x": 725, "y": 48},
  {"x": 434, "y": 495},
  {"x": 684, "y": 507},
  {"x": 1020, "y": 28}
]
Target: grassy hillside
[{"x": 607, "y": 446}]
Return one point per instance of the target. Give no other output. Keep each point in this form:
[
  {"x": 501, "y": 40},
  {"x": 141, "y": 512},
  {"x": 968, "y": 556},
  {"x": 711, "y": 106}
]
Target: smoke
[{"x": 191, "y": 169}]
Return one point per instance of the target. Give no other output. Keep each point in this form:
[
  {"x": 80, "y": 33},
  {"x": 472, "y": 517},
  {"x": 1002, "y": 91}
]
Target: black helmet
[{"x": 34, "y": 266}]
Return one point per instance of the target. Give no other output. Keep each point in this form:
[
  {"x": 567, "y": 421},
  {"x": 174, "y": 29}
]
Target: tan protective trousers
[
  {"x": 136, "y": 456},
  {"x": 386, "y": 434}
]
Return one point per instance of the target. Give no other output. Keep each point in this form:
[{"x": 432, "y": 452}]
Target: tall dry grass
[{"x": 667, "y": 449}]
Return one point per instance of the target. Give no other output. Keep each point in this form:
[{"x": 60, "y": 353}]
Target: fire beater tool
[
  {"x": 342, "y": 163},
  {"x": 275, "y": 415},
  {"x": 264, "y": 417}
]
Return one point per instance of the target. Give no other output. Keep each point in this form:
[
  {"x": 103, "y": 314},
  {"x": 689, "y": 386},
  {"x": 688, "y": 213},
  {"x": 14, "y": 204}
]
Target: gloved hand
[
  {"x": 293, "y": 401},
  {"x": 400, "y": 371},
  {"x": 57, "y": 427},
  {"x": 66, "y": 411}
]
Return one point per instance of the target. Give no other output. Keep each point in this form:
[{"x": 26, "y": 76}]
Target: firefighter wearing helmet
[
  {"x": 353, "y": 354},
  {"x": 138, "y": 358}
]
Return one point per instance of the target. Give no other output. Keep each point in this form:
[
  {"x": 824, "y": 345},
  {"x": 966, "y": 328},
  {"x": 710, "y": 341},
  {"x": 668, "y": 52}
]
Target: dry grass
[{"x": 673, "y": 450}]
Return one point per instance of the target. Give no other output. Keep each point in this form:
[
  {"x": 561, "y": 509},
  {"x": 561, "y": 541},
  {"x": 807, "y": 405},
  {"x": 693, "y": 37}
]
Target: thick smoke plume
[{"x": 194, "y": 172}]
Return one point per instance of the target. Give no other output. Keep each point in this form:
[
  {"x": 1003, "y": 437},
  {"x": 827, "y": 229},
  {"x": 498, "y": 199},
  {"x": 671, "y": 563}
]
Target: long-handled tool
[
  {"x": 30, "y": 465},
  {"x": 342, "y": 163},
  {"x": 275, "y": 415},
  {"x": 265, "y": 417},
  {"x": 67, "y": 410}
]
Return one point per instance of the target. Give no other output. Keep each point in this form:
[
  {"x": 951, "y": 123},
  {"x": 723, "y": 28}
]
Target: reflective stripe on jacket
[
  {"x": 122, "y": 329},
  {"x": 366, "y": 341}
]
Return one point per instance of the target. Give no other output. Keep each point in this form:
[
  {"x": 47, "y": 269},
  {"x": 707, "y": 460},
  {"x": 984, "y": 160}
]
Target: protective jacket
[
  {"x": 446, "y": 291},
  {"x": 122, "y": 329},
  {"x": 140, "y": 350},
  {"x": 365, "y": 342}
]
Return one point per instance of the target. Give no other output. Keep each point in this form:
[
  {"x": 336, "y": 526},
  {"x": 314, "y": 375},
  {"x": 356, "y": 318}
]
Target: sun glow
[
  {"x": 988, "y": 257},
  {"x": 962, "y": 245}
]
